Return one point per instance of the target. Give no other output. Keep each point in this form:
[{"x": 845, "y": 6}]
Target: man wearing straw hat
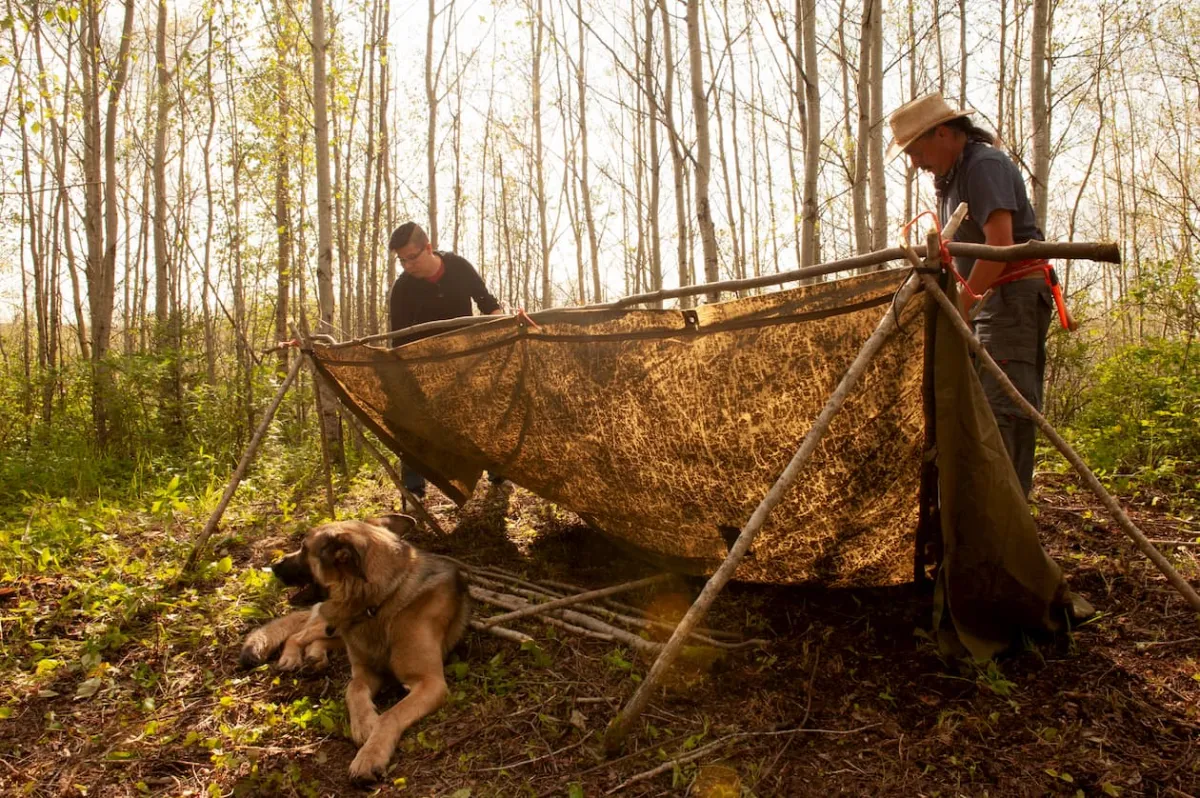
[{"x": 1014, "y": 315}]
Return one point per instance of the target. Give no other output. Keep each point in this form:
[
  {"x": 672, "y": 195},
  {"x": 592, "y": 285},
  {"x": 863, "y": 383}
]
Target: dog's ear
[
  {"x": 400, "y": 525},
  {"x": 341, "y": 553}
]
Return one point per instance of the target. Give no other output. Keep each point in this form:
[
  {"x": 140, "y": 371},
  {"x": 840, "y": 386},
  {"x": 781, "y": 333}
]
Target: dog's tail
[
  {"x": 462, "y": 614},
  {"x": 266, "y": 640}
]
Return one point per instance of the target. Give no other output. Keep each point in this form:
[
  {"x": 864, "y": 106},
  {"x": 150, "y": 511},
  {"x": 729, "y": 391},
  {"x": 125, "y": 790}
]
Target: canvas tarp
[{"x": 665, "y": 428}]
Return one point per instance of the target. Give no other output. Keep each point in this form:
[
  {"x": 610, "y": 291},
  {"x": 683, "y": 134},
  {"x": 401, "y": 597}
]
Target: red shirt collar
[{"x": 440, "y": 273}]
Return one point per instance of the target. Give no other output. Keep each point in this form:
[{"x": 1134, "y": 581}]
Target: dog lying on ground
[{"x": 395, "y": 609}]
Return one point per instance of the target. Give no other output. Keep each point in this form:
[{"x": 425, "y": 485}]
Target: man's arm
[
  {"x": 997, "y": 231},
  {"x": 488, "y": 305}
]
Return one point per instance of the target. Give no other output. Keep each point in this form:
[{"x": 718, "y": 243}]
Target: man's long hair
[{"x": 973, "y": 131}]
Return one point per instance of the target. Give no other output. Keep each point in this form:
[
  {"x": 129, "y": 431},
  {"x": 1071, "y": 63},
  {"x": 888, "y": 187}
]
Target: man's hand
[{"x": 998, "y": 232}]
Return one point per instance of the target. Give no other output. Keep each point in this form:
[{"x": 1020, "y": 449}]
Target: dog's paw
[
  {"x": 254, "y": 652},
  {"x": 316, "y": 657},
  {"x": 370, "y": 765},
  {"x": 361, "y": 728},
  {"x": 290, "y": 661}
]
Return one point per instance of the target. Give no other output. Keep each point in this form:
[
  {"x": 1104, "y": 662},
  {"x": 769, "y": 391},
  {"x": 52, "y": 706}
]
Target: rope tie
[{"x": 1019, "y": 269}]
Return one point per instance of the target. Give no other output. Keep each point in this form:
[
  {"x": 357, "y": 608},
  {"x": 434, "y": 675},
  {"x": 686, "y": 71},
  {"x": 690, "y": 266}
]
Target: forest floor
[{"x": 113, "y": 683}]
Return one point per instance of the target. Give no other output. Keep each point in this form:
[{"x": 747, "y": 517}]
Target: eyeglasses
[{"x": 411, "y": 259}]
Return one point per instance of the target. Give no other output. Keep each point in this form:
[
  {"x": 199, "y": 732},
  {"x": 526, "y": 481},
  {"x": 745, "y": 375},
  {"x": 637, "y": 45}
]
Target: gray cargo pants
[{"x": 1012, "y": 325}]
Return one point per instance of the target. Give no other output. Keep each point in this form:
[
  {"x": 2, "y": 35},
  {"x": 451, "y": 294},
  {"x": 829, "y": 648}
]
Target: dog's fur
[
  {"x": 303, "y": 634},
  {"x": 396, "y": 610}
]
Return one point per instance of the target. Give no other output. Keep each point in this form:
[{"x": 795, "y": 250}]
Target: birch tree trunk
[
  {"x": 708, "y": 234},
  {"x": 1039, "y": 107},
  {"x": 812, "y": 135},
  {"x": 330, "y": 418}
]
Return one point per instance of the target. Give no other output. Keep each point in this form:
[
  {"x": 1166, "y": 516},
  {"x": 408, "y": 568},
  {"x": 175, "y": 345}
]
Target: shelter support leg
[
  {"x": 622, "y": 724},
  {"x": 418, "y": 508},
  {"x": 1089, "y": 479},
  {"x": 247, "y": 458}
]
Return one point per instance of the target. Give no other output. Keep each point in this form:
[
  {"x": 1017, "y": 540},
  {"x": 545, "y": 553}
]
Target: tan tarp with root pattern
[{"x": 665, "y": 428}]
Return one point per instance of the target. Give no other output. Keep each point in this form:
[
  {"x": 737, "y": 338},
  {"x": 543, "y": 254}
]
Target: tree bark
[
  {"x": 1039, "y": 69},
  {"x": 330, "y": 421},
  {"x": 708, "y": 234},
  {"x": 812, "y": 137},
  {"x": 879, "y": 220}
]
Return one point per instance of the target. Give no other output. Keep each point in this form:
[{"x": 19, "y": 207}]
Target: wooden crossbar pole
[
  {"x": 243, "y": 464},
  {"x": 1114, "y": 508}
]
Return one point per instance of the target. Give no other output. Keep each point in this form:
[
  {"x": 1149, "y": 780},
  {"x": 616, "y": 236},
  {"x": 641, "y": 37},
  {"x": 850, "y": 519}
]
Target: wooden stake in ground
[
  {"x": 247, "y": 458},
  {"x": 1089, "y": 479}
]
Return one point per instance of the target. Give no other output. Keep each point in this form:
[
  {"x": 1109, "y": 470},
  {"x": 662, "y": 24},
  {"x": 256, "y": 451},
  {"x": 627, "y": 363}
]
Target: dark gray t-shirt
[{"x": 987, "y": 180}]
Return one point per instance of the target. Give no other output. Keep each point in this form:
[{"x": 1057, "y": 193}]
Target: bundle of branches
[{"x": 585, "y": 613}]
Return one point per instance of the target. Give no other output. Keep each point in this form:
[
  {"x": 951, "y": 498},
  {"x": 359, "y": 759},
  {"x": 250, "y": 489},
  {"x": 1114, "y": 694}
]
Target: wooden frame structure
[{"x": 919, "y": 279}]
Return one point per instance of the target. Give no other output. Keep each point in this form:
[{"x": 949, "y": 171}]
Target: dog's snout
[{"x": 293, "y": 570}]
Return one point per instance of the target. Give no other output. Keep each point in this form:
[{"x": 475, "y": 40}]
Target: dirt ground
[{"x": 849, "y": 698}]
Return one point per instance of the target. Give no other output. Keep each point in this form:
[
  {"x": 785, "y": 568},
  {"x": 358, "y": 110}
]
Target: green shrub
[{"x": 1141, "y": 415}]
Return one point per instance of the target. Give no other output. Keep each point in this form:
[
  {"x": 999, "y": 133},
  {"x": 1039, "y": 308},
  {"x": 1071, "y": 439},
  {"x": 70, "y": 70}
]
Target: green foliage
[{"x": 1140, "y": 417}]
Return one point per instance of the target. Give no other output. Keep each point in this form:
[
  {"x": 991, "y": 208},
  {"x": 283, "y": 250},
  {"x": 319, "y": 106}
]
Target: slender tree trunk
[
  {"x": 655, "y": 165},
  {"x": 1039, "y": 69},
  {"x": 330, "y": 418},
  {"x": 737, "y": 222},
  {"x": 102, "y": 242},
  {"x": 708, "y": 233},
  {"x": 879, "y": 220},
  {"x": 962, "y": 53},
  {"x": 812, "y": 138},
  {"x": 1001, "y": 86},
  {"x": 585, "y": 188},
  {"x": 431, "y": 101},
  {"x": 536, "y": 34},
  {"x": 858, "y": 188},
  {"x": 283, "y": 226},
  {"x": 676, "y": 152},
  {"x": 360, "y": 294},
  {"x": 382, "y": 178},
  {"x": 210, "y": 338}
]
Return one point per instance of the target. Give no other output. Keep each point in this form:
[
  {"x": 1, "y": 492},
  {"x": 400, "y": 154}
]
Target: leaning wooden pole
[
  {"x": 417, "y": 505},
  {"x": 247, "y": 458},
  {"x": 1089, "y": 479},
  {"x": 621, "y": 725}
]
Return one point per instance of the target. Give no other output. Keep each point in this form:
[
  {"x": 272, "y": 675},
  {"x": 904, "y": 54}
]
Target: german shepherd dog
[{"x": 396, "y": 609}]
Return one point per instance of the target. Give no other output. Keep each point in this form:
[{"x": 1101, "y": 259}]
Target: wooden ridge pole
[
  {"x": 1108, "y": 253},
  {"x": 243, "y": 464}
]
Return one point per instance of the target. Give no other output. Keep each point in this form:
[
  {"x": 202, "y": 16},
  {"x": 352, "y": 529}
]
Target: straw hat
[{"x": 913, "y": 119}]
